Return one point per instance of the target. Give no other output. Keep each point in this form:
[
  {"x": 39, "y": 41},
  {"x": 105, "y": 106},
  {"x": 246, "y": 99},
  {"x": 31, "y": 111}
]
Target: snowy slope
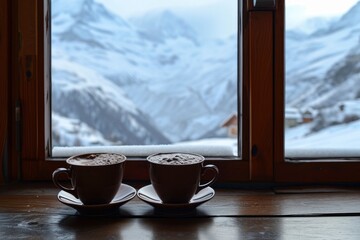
[
  {"x": 73, "y": 132},
  {"x": 323, "y": 76},
  {"x": 158, "y": 26},
  {"x": 347, "y": 137},
  {"x": 83, "y": 46},
  {"x": 309, "y": 58}
]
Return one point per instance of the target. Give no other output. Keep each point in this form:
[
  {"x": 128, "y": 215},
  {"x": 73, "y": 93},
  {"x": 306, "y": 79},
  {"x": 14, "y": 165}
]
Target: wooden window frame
[
  {"x": 262, "y": 104},
  {"x": 301, "y": 171}
]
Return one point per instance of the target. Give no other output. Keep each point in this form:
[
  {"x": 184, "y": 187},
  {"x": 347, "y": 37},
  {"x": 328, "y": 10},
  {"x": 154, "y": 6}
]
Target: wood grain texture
[
  {"x": 28, "y": 63},
  {"x": 41, "y": 198},
  {"x": 279, "y": 85},
  {"x": 261, "y": 95},
  {"x": 38, "y": 226},
  {"x": 32, "y": 15},
  {"x": 31, "y": 211}
]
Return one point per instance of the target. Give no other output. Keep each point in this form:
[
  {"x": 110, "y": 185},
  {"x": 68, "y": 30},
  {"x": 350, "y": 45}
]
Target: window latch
[
  {"x": 264, "y": 4},
  {"x": 254, "y": 151}
]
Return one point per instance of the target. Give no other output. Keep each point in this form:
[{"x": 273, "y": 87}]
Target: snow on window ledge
[
  {"x": 212, "y": 148},
  {"x": 322, "y": 153}
]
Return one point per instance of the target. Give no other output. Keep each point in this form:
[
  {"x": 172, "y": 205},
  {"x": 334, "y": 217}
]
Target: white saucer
[
  {"x": 148, "y": 195},
  {"x": 124, "y": 194}
]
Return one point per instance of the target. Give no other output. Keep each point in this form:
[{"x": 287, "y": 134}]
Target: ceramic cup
[
  {"x": 95, "y": 178},
  {"x": 176, "y": 176}
]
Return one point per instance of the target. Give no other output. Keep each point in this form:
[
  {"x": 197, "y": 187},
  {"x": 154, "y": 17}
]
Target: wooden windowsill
[
  {"x": 32, "y": 210},
  {"x": 41, "y": 198}
]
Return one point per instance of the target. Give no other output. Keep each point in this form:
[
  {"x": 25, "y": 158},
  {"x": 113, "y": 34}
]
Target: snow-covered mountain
[
  {"x": 143, "y": 81},
  {"x": 162, "y": 25},
  {"x": 83, "y": 48},
  {"x": 314, "y": 24},
  {"x": 323, "y": 75},
  {"x": 154, "y": 81},
  {"x": 317, "y": 63}
]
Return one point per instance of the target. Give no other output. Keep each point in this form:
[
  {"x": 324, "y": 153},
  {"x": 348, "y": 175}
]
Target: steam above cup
[
  {"x": 95, "y": 178},
  {"x": 176, "y": 176}
]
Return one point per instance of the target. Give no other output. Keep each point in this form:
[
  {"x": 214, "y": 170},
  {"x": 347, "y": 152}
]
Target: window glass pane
[
  {"x": 148, "y": 72},
  {"x": 322, "y": 114}
]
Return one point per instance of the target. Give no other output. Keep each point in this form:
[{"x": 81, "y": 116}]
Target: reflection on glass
[
  {"x": 144, "y": 72},
  {"x": 322, "y": 75}
]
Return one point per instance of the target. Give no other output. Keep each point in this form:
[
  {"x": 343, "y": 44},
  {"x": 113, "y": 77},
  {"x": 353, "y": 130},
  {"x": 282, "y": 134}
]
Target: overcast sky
[
  {"x": 210, "y": 18},
  {"x": 218, "y": 18},
  {"x": 299, "y": 10}
]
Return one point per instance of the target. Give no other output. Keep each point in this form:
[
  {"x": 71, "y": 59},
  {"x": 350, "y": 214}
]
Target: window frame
[
  {"x": 34, "y": 94},
  {"x": 303, "y": 170},
  {"x": 262, "y": 104}
]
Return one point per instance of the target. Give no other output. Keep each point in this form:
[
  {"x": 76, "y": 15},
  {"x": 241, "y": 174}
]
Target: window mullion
[{"x": 261, "y": 95}]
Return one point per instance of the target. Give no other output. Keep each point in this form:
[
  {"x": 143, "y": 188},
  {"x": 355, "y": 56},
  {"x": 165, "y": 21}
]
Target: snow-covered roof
[{"x": 292, "y": 113}]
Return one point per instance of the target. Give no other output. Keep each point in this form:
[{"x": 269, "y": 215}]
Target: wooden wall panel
[
  {"x": 4, "y": 78},
  {"x": 28, "y": 74}
]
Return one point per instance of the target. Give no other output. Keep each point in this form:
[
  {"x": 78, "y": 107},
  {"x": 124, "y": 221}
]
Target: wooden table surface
[{"x": 32, "y": 211}]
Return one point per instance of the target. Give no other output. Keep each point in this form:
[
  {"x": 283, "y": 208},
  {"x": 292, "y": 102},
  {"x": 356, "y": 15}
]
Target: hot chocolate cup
[
  {"x": 95, "y": 178},
  {"x": 176, "y": 176}
]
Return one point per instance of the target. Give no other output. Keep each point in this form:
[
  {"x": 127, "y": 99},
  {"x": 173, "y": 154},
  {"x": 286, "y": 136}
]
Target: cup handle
[
  {"x": 216, "y": 173},
  {"x": 55, "y": 178}
]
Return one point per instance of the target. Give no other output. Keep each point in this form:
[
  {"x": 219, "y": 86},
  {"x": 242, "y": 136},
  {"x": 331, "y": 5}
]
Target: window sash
[
  {"x": 303, "y": 170},
  {"x": 211, "y": 149}
]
